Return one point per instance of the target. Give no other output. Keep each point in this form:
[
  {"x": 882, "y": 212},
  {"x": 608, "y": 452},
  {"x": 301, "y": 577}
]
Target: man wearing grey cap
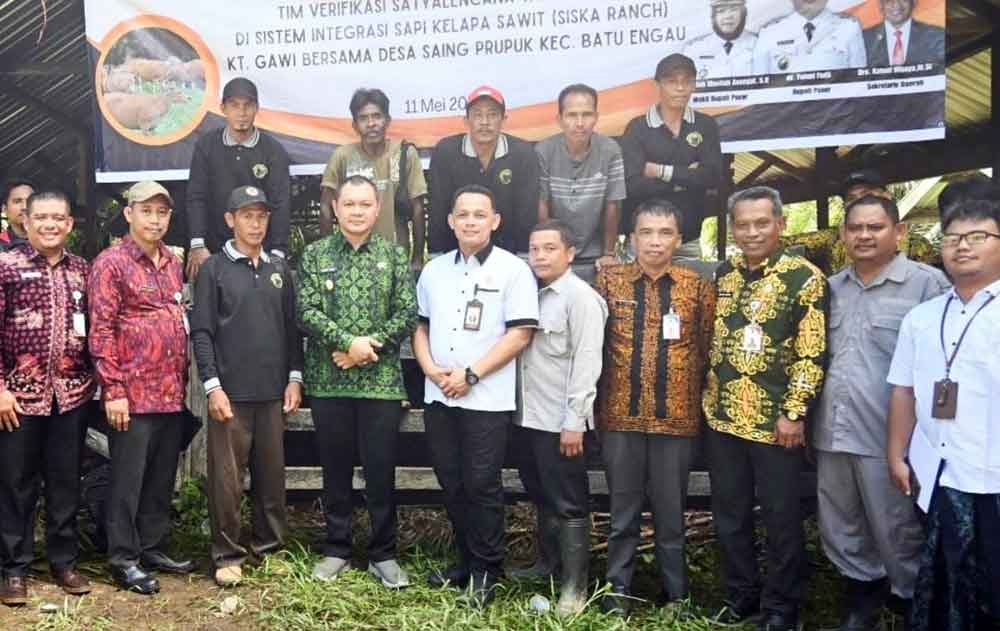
[
  {"x": 138, "y": 343},
  {"x": 728, "y": 50},
  {"x": 249, "y": 354},
  {"x": 238, "y": 154}
]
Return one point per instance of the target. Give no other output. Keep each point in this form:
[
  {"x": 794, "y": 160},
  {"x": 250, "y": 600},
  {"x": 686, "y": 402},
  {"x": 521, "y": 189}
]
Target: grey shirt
[
  {"x": 864, "y": 323},
  {"x": 578, "y": 191},
  {"x": 561, "y": 366}
]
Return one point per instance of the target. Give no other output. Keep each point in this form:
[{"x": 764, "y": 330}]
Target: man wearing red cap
[{"x": 506, "y": 165}]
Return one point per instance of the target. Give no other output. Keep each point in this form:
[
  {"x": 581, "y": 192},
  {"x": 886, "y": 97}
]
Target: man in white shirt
[
  {"x": 901, "y": 40},
  {"x": 808, "y": 39},
  {"x": 944, "y": 427},
  {"x": 477, "y": 307}
]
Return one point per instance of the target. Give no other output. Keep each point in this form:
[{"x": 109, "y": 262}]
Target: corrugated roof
[{"x": 32, "y": 143}]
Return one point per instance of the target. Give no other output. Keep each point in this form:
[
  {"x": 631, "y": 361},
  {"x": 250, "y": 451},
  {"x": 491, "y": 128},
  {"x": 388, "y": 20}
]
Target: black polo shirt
[
  {"x": 243, "y": 326},
  {"x": 219, "y": 165},
  {"x": 648, "y": 139},
  {"x": 512, "y": 175}
]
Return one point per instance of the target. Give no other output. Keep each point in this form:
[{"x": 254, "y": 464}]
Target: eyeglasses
[{"x": 974, "y": 238}]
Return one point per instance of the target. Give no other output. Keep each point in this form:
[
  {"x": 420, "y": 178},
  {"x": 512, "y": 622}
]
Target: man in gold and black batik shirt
[{"x": 766, "y": 369}]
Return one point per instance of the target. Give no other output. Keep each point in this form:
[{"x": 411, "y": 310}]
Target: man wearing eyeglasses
[
  {"x": 944, "y": 427},
  {"x": 486, "y": 156},
  {"x": 869, "y": 529}
]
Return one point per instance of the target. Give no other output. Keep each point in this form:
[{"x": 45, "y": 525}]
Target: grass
[{"x": 180, "y": 114}]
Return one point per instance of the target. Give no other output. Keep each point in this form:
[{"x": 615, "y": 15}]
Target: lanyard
[{"x": 948, "y": 360}]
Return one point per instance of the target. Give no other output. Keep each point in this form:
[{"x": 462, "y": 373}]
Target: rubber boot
[
  {"x": 574, "y": 544},
  {"x": 862, "y": 605},
  {"x": 546, "y": 565}
]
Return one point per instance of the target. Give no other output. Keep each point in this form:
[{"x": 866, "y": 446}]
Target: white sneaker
[
  {"x": 389, "y": 572},
  {"x": 329, "y": 568}
]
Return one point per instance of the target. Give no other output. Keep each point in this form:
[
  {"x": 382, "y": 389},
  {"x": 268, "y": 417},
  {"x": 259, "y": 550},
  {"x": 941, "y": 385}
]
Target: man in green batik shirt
[
  {"x": 357, "y": 302},
  {"x": 767, "y": 364}
]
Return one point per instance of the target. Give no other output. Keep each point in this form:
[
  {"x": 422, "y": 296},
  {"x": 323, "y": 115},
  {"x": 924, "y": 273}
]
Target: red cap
[{"x": 485, "y": 91}]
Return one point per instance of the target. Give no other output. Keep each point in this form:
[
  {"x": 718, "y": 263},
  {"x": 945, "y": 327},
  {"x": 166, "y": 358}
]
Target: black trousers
[
  {"x": 736, "y": 466},
  {"x": 49, "y": 449},
  {"x": 467, "y": 450},
  {"x": 345, "y": 427},
  {"x": 551, "y": 479},
  {"x": 143, "y": 474}
]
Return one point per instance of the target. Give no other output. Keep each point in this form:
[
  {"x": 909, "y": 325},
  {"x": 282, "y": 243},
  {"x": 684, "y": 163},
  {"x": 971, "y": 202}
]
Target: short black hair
[
  {"x": 565, "y": 232},
  {"x": 369, "y": 96},
  {"x": 888, "y": 205},
  {"x": 971, "y": 209},
  {"x": 357, "y": 180},
  {"x": 977, "y": 186},
  {"x": 577, "y": 88},
  {"x": 755, "y": 193},
  {"x": 12, "y": 183},
  {"x": 49, "y": 195},
  {"x": 477, "y": 189},
  {"x": 657, "y": 207},
  {"x": 672, "y": 63}
]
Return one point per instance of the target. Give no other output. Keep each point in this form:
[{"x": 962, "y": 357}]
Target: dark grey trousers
[{"x": 641, "y": 466}]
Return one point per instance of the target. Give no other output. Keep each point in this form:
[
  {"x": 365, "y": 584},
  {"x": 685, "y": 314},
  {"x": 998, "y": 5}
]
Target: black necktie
[
  {"x": 728, "y": 46},
  {"x": 809, "y": 28}
]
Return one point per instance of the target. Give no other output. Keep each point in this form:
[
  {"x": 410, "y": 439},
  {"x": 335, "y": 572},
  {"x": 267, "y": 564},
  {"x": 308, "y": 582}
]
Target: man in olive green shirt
[
  {"x": 356, "y": 304},
  {"x": 767, "y": 364}
]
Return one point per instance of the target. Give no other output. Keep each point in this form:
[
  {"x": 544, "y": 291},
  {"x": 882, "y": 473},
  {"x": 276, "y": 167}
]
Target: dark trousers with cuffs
[
  {"x": 44, "y": 449},
  {"x": 736, "y": 466},
  {"x": 653, "y": 466},
  {"x": 253, "y": 439},
  {"x": 551, "y": 479},
  {"x": 143, "y": 474},
  {"x": 467, "y": 450},
  {"x": 344, "y": 427}
]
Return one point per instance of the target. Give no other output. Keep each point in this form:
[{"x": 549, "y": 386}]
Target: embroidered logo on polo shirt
[
  {"x": 505, "y": 176},
  {"x": 694, "y": 138},
  {"x": 260, "y": 171},
  {"x": 277, "y": 281},
  {"x": 251, "y": 191}
]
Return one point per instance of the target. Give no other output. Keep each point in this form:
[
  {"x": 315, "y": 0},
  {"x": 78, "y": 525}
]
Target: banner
[{"x": 772, "y": 78}]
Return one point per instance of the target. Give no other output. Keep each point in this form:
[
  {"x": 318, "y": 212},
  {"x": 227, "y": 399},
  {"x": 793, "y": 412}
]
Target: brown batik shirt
[{"x": 649, "y": 383}]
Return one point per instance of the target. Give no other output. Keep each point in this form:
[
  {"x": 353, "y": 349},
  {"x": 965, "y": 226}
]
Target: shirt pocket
[
  {"x": 886, "y": 323},
  {"x": 553, "y": 338}
]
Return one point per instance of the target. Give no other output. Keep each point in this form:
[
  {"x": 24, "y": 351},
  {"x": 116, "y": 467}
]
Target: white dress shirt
[
  {"x": 783, "y": 47},
  {"x": 969, "y": 444}
]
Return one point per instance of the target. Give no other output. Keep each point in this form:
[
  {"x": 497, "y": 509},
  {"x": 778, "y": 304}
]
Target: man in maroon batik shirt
[
  {"x": 45, "y": 380},
  {"x": 138, "y": 341}
]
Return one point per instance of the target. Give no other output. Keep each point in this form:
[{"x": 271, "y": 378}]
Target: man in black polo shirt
[
  {"x": 249, "y": 354},
  {"x": 239, "y": 154},
  {"x": 672, "y": 152},
  {"x": 506, "y": 165}
]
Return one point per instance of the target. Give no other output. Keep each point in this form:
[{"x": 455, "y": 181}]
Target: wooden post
[
  {"x": 725, "y": 190},
  {"x": 823, "y": 171}
]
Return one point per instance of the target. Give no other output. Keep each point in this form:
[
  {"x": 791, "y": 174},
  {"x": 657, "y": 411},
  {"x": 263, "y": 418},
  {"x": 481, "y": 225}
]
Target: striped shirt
[{"x": 578, "y": 191}]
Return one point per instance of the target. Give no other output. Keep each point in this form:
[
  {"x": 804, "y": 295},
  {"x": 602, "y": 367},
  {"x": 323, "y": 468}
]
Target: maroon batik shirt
[
  {"x": 137, "y": 338},
  {"x": 44, "y": 359}
]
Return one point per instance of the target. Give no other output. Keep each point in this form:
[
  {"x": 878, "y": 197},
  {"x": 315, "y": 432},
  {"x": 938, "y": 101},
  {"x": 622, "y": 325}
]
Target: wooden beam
[
  {"x": 825, "y": 166},
  {"x": 46, "y": 69},
  {"x": 797, "y": 172},
  {"x": 15, "y": 92},
  {"x": 722, "y": 214},
  {"x": 758, "y": 171}
]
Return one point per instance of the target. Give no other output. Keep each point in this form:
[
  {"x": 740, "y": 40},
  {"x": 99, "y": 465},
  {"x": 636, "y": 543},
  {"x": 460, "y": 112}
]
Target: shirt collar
[
  {"x": 34, "y": 254},
  {"x": 654, "y": 120},
  {"x": 470, "y": 150},
  {"x": 800, "y": 19},
  {"x": 249, "y": 143},
  {"x": 133, "y": 250},
  {"x": 993, "y": 289},
  {"x": 559, "y": 284},
  {"x": 235, "y": 255},
  {"x": 740, "y": 262},
  {"x": 634, "y": 271},
  {"x": 890, "y": 33},
  {"x": 340, "y": 242},
  {"x": 480, "y": 256},
  {"x": 895, "y": 271}
]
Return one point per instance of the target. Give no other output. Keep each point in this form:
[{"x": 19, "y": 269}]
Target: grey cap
[
  {"x": 245, "y": 196},
  {"x": 240, "y": 86}
]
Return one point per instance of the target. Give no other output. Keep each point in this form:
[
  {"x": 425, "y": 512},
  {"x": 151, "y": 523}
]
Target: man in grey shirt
[
  {"x": 582, "y": 181},
  {"x": 868, "y": 527},
  {"x": 560, "y": 368}
]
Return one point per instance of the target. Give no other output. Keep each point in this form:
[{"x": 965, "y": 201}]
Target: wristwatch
[
  {"x": 471, "y": 378},
  {"x": 791, "y": 416}
]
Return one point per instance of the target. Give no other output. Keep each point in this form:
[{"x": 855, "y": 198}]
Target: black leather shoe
[
  {"x": 133, "y": 579},
  {"x": 157, "y": 561},
  {"x": 616, "y": 605},
  {"x": 774, "y": 621},
  {"x": 455, "y": 576},
  {"x": 738, "y": 613}
]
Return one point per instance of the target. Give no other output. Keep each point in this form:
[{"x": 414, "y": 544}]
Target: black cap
[
  {"x": 240, "y": 86},
  {"x": 673, "y": 63},
  {"x": 870, "y": 177},
  {"x": 245, "y": 196}
]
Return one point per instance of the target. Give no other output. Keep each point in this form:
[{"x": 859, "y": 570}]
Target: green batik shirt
[
  {"x": 346, "y": 293},
  {"x": 749, "y": 385}
]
